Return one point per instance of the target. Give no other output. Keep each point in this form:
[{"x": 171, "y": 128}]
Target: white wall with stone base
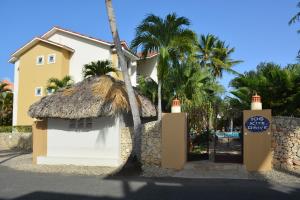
[{"x": 98, "y": 146}]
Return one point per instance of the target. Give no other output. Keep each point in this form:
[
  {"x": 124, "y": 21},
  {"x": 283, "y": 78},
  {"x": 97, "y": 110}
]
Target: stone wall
[
  {"x": 286, "y": 143},
  {"x": 19, "y": 141},
  {"x": 150, "y": 144}
]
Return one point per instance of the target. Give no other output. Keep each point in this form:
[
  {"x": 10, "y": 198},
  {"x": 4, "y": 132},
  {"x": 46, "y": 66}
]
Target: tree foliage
[
  {"x": 54, "y": 83},
  {"x": 278, "y": 86},
  {"x": 215, "y": 55},
  {"x": 6, "y": 105},
  {"x": 170, "y": 37},
  {"x": 97, "y": 68}
]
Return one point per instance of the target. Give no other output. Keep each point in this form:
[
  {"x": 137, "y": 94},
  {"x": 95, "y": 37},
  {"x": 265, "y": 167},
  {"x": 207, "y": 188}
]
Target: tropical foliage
[
  {"x": 189, "y": 68},
  {"x": 97, "y": 68},
  {"x": 54, "y": 83},
  {"x": 296, "y": 17},
  {"x": 278, "y": 86},
  {"x": 170, "y": 37},
  {"x": 6, "y": 105},
  {"x": 215, "y": 55},
  {"x": 293, "y": 20},
  {"x": 137, "y": 128},
  {"x": 148, "y": 87}
]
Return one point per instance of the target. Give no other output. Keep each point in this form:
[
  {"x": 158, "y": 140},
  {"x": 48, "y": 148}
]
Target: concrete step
[
  {"x": 207, "y": 169},
  {"x": 51, "y": 160}
]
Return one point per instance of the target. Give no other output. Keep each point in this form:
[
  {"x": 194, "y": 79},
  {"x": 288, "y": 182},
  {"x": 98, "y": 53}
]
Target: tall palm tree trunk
[
  {"x": 131, "y": 95},
  {"x": 159, "y": 110}
]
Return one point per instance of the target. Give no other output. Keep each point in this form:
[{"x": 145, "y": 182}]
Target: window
[
  {"x": 38, "y": 91},
  {"x": 50, "y": 91},
  {"x": 40, "y": 60},
  {"x": 81, "y": 124},
  {"x": 51, "y": 58}
]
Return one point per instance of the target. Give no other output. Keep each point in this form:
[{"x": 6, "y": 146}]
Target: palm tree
[
  {"x": 123, "y": 64},
  {"x": 295, "y": 18},
  {"x": 221, "y": 60},
  {"x": 169, "y": 37},
  {"x": 215, "y": 55},
  {"x": 54, "y": 83},
  {"x": 279, "y": 88},
  {"x": 97, "y": 68},
  {"x": 148, "y": 87},
  {"x": 206, "y": 47}
]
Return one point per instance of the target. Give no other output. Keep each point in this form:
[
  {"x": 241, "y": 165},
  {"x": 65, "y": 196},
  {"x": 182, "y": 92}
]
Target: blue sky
[{"x": 258, "y": 29}]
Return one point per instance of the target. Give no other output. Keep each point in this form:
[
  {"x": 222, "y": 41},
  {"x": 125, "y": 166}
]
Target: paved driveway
[{"x": 21, "y": 185}]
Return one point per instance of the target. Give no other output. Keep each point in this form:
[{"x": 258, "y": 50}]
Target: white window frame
[
  {"x": 50, "y": 91},
  {"x": 54, "y": 58},
  {"x": 37, "y": 60},
  {"x": 35, "y": 91}
]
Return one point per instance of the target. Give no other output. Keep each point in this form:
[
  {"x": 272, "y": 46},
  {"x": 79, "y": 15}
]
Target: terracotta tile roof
[
  {"x": 9, "y": 86},
  {"x": 149, "y": 55}
]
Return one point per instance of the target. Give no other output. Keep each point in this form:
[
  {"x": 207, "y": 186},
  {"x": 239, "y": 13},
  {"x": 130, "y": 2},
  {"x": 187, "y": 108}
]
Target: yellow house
[{"x": 59, "y": 52}]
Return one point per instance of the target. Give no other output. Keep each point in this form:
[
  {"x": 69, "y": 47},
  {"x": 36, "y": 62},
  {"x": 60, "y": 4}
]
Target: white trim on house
[
  {"x": 33, "y": 42},
  {"x": 16, "y": 92},
  {"x": 55, "y": 30}
]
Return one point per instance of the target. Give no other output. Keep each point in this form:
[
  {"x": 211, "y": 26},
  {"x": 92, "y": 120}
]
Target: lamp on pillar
[
  {"x": 176, "y": 108},
  {"x": 256, "y": 102}
]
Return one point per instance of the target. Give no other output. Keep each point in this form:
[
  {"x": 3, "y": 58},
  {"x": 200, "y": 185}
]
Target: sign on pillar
[{"x": 257, "y": 140}]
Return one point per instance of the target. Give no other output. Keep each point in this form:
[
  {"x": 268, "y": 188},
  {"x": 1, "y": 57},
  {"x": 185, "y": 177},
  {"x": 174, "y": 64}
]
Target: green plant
[
  {"x": 22, "y": 129},
  {"x": 54, "y": 83},
  {"x": 170, "y": 37},
  {"x": 5, "y": 129},
  {"x": 215, "y": 55},
  {"x": 97, "y": 68},
  {"x": 278, "y": 86},
  {"x": 6, "y": 105}
]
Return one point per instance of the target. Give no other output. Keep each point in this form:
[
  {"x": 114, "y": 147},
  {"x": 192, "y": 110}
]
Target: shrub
[
  {"x": 22, "y": 129},
  {"x": 5, "y": 129}
]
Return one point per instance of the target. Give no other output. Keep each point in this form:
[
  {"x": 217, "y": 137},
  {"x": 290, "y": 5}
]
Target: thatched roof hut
[{"x": 93, "y": 97}]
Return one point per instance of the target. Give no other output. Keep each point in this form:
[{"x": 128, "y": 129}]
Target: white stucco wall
[
  {"x": 85, "y": 52},
  {"x": 132, "y": 73},
  {"x": 148, "y": 68},
  {"x": 98, "y": 146},
  {"x": 16, "y": 92}
]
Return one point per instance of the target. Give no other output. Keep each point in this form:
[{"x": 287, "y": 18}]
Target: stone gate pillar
[{"x": 257, "y": 140}]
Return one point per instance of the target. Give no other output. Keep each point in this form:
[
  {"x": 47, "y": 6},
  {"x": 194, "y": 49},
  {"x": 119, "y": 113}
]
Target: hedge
[{"x": 18, "y": 129}]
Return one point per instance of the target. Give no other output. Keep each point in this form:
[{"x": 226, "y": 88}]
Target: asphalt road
[{"x": 20, "y": 185}]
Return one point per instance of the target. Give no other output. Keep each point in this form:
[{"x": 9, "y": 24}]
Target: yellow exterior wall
[
  {"x": 32, "y": 76},
  {"x": 118, "y": 75},
  {"x": 174, "y": 140},
  {"x": 39, "y": 147},
  {"x": 257, "y": 146}
]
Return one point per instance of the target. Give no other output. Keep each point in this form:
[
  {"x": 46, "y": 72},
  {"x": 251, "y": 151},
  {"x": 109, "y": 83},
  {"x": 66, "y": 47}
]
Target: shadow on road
[{"x": 171, "y": 188}]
